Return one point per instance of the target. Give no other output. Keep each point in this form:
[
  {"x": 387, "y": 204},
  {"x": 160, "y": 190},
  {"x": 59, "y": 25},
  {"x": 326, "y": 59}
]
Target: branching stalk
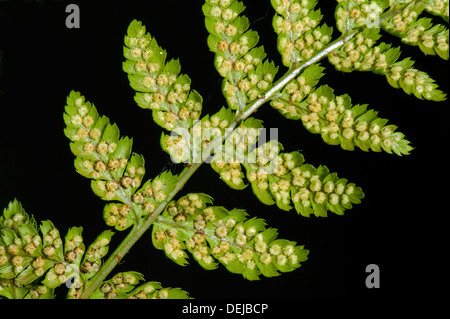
[{"x": 138, "y": 230}]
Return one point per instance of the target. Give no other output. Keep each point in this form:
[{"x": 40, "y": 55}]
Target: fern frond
[
  {"x": 236, "y": 150},
  {"x": 280, "y": 177},
  {"x": 237, "y": 59},
  {"x": 105, "y": 157},
  {"x": 24, "y": 255},
  {"x": 157, "y": 83},
  {"x": 102, "y": 155},
  {"x": 335, "y": 118},
  {"x": 431, "y": 38},
  {"x": 143, "y": 202},
  {"x": 34, "y": 261},
  {"x": 213, "y": 234},
  {"x": 355, "y": 14},
  {"x": 125, "y": 285},
  {"x": 299, "y": 34},
  {"x": 160, "y": 88},
  {"x": 402, "y": 75},
  {"x": 438, "y": 8},
  {"x": 363, "y": 54}
]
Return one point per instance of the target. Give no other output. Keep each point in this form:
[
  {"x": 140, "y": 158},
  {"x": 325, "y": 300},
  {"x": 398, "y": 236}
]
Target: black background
[{"x": 397, "y": 226}]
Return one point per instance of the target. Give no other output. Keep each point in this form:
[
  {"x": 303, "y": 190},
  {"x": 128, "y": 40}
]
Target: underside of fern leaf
[
  {"x": 335, "y": 118},
  {"x": 364, "y": 54},
  {"x": 126, "y": 285},
  {"x": 212, "y": 233},
  {"x": 35, "y": 259},
  {"x": 105, "y": 157},
  {"x": 280, "y": 177}
]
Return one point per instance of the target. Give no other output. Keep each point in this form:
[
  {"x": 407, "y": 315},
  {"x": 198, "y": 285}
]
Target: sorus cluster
[
  {"x": 57, "y": 275},
  {"x": 430, "y": 38},
  {"x": 237, "y": 59},
  {"x": 287, "y": 102},
  {"x": 121, "y": 181},
  {"x": 360, "y": 54},
  {"x": 189, "y": 144},
  {"x": 341, "y": 123},
  {"x": 181, "y": 146},
  {"x": 354, "y": 14},
  {"x": 335, "y": 118},
  {"x": 438, "y": 7},
  {"x": 236, "y": 150},
  {"x": 92, "y": 260},
  {"x": 102, "y": 156},
  {"x": 299, "y": 34},
  {"x": 284, "y": 177},
  {"x": 158, "y": 84},
  {"x": 357, "y": 54},
  {"x": 25, "y": 255},
  {"x": 52, "y": 244},
  {"x": 19, "y": 250},
  {"x": 74, "y": 247},
  {"x": 11, "y": 289},
  {"x": 401, "y": 22},
  {"x": 180, "y": 213},
  {"x": 120, "y": 283},
  {"x": 412, "y": 81},
  {"x": 73, "y": 253},
  {"x": 212, "y": 233},
  {"x": 211, "y": 127},
  {"x": 143, "y": 202},
  {"x": 53, "y": 250},
  {"x": 123, "y": 285},
  {"x": 118, "y": 215},
  {"x": 230, "y": 172}
]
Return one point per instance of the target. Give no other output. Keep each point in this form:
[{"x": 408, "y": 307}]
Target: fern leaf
[
  {"x": 246, "y": 74},
  {"x": 288, "y": 100},
  {"x": 299, "y": 34},
  {"x": 160, "y": 88},
  {"x": 96, "y": 251},
  {"x": 189, "y": 146},
  {"x": 282, "y": 178},
  {"x": 438, "y": 8},
  {"x": 157, "y": 83},
  {"x": 362, "y": 54},
  {"x": 213, "y": 234},
  {"x": 27, "y": 257},
  {"x": 402, "y": 75},
  {"x": 105, "y": 157},
  {"x": 351, "y": 15},
  {"x": 228, "y": 158},
  {"x": 36, "y": 260},
  {"x": 102, "y": 155},
  {"x": 431, "y": 39},
  {"x": 143, "y": 202},
  {"x": 335, "y": 118},
  {"x": 125, "y": 285}
]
